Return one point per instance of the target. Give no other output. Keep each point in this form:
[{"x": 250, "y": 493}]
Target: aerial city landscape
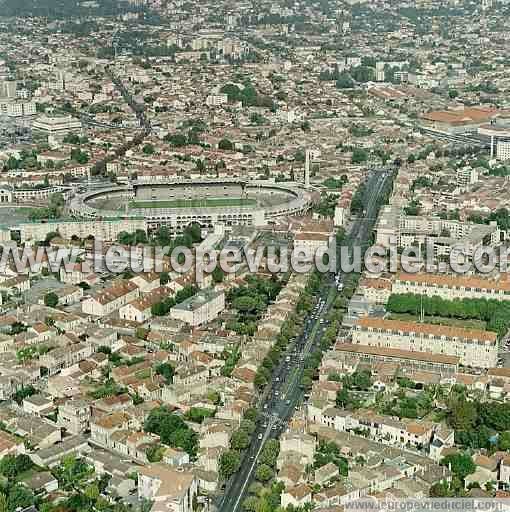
[{"x": 254, "y": 255}]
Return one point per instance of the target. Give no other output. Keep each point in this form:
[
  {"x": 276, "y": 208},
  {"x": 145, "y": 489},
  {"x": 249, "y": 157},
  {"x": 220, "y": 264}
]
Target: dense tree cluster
[
  {"x": 163, "y": 308},
  {"x": 479, "y": 424},
  {"x": 264, "y": 492},
  {"x": 416, "y": 406},
  {"x": 359, "y": 156},
  {"x": 198, "y": 414},
  {"x": 162, "y": 237},
  {"x": 166, "y": 370},
  {"x": 495, "y": 313},
  {"x": 326, "y": 206},
  {"x": 360, "y": 131},
  {"x": 247, "y": 95},
  {"x": 501, "y": 216},
  {"x": 288, "y": 330},
  {"x": 422, "y": 182},
  {"x": 231, "y": 358},
  {"x": 360, "y": 380},
  {"x": 250, "y": 301},
  {"x": 357, "y": 202},
  {"x": 335, "y": 183},
  {"x": 328, "y": 452},
  {"x": 172, "y": 430}
]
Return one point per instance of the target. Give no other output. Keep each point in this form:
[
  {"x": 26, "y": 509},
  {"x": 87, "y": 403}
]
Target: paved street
[{"x": 286, "y": 393}]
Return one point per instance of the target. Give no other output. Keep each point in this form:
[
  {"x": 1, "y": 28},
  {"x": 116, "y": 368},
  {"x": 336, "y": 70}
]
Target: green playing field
[{"x": 193, "y": 203}]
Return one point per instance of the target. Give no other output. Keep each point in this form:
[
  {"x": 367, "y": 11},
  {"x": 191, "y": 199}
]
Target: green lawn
[
  {"x": 194, "y": 203},
  {"x": 439, "y": 320}
]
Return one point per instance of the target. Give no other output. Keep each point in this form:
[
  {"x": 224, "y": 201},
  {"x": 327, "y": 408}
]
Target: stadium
[{"x": 177, "y": 203}]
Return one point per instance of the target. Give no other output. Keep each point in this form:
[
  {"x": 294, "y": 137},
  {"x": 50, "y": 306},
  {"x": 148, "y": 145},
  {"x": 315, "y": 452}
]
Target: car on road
[{"x": 259, "y": 437}]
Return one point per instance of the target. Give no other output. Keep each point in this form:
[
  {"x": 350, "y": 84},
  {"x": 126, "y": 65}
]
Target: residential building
[
  {"x": 200, "y": 309},
  {"x": 111, "y": 299},
  {"x": 56, "y": 126},
  {"x": 475, "y": 348},
  {"x": 65, "y": 357},
  {"x": 74, "y": 416},
  {"x": 451, "y": 287},
  {"x": 170, "y": 490},
  {"x": 140, "y": 310}
]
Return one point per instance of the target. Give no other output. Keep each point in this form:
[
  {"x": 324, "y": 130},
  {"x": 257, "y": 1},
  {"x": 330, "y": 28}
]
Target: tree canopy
[{"x": 172, "y": 430}]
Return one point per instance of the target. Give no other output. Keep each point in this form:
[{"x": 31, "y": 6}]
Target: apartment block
[
  {"x": 451, "y": 287},
  {"x": 395, "y": 227},
  {"x": 200, "y": 309},
  {"x": 74, "y": 416},
  {"x": 475, "y": 348},
  {"x": 111, "y": 299}
]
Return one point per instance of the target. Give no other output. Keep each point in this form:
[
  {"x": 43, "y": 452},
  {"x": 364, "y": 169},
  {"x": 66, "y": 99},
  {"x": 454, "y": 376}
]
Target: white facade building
[
  {"x": 503, "y": 150},
  {"x": 56, "y": 126},
  {"x": 200, "y": 309},
  {"x": 215, "y": 100},
  {"x": 451, "y": 287},
  {"x": 475, "y": 348},
  {"x": 169, "y": 489},
  {"x": 110, "y": 299}
]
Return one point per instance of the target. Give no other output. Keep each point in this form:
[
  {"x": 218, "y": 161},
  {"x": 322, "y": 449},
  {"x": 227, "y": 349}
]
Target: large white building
[
  {"x": 394, "y": 226},
  {"x": 215, "y": 100},
  {"x": 56, "y": 126},
  {"x": 8, "y": 89},
  {"x": 17, "y": 108},
  {"x": 383, "y": 429},
  {"x": 475, "y": 348},
  {"x": 466, "y": 176},
  {"x": 9, "y": 194},
  {"x": 450, "y": 287},
  {"x": 310, "y": 243},
  {"x": 74, "y": 416},
  {"x": 503, "y": 150},
  {"x": 110, "y": 299},
  {"x": 140, "y": 310},
  {"x": 200, "y": 309},
  {"x": 459, "y": 120},
  {"x": 107, "y": 230},
  {"x": 295, "y": 200},
  {"x": 168, "y": 489}
]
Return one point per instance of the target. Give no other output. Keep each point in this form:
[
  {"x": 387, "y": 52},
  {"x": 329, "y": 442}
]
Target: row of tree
[
  {"x": 230, "y": 460},
  {"x": 495, "y": 313},
  {"x": 265, "y": 493}
]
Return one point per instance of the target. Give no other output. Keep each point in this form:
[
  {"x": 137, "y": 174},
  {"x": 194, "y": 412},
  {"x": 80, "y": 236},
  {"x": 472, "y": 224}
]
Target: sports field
[{"x": 194, "y": 203}]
